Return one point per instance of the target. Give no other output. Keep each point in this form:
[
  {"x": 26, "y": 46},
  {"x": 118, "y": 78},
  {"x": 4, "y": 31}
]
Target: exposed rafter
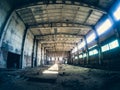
[{"x": 68, "y": 34}]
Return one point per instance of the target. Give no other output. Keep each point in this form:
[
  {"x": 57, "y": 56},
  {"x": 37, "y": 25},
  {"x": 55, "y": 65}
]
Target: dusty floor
[{"x": 68, "y": 78}]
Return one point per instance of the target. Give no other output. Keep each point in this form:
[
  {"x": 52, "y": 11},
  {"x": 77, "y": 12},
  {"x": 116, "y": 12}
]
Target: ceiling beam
[
  {"x": 80, "y": 36},
  {"x": 58, "y": 24},
  {"x": 49, "y": 42},
  {"x": 60, "y": 43},
  {"x": 64, "y": 27},
  {"x": 90, "y": 12}
]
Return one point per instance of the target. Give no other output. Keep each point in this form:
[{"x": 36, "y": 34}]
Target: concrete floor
[{"x": 59, "y": 77}]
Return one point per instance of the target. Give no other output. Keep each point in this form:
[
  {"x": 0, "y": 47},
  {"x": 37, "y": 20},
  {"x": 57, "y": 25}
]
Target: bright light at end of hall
[
  {"x": 104, "y": 27},
  {"x": 116, "y": 14},
  {"x": 52, "y": 70}
]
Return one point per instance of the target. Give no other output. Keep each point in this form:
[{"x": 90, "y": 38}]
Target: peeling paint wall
[{"x": 12, "y": 40}]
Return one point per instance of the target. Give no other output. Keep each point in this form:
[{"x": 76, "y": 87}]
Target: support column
[
  {"x": 22, "y": 48},
  {"x": 69, "y": 58},
  {"x": 36, "y": 52},
  {"x": 78, "y": 55},
  {"x": 118, "y": 33},
  {"x": 33, "y": 48},
  {"x": 99, "y": 47},
  {"x": 45, "y": 55},
  {"x": 42, "y": 55},
  {"x": 86, "y": 45}
]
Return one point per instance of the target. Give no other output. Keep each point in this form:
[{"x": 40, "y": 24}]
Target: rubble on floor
[{"x": 69, "y": 78}]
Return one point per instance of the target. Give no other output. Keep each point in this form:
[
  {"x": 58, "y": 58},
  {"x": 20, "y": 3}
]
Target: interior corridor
[{"x": 59, "y": 44}]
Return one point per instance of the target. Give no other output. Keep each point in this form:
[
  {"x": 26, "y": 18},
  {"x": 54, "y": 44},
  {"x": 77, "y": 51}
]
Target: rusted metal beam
[{"x": 37, "y": 36}]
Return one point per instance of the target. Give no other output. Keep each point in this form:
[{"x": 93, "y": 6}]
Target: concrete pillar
[
  {"x": 78, "y": 55},
  {"x": 42, "y": 55},
  {"x": 36, "y": 53},
  {"x": 33, "y": 53},
  {"x": 22, "y": 48},
  {"x": 86, "y": 45},
  {"x": 99, "y": 47}
]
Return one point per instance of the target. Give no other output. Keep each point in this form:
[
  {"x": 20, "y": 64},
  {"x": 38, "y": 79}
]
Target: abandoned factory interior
[{"x": 59, "y": 44}]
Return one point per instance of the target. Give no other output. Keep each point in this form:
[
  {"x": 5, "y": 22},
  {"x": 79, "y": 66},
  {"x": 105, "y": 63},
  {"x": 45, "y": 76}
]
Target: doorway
[{"x": 13, "y": 60}]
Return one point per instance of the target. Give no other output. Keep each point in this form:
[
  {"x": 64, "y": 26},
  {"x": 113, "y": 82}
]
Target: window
[
  {"x": 91, "y": 38},
  {"x": 72, "y": 56},
  {"x": 104, "y": 27},
  {"x": 105, "y": 48},
  {"x": 49, "y": 59},
  {"x": 60, "y": 58},
  {"x": 80, "y": 56},
  {"x": 76, "y": 57},
  {"x": 53, "y": 58},
  {"x": 116, "y": 14},
  {"x": 81, "y": 45},
  {"x": 92, "y": 46},
  {"x": 114, "y": 44},
  {"x": 111, "y": 45},
  {"x": 74, "y": 50},
  {"x": 93, "y": 52},
  {"x": 84, "y": 55}
]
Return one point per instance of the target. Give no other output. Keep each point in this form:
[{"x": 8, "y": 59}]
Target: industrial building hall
[{"x": 59, "y": 44}]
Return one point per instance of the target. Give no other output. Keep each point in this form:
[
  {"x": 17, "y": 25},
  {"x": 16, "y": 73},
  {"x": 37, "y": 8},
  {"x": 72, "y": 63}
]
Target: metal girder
[
  {"x": 57, "y": 42},
  {"x": 61, "y": 43},
  {"x": 81, "y": 36},
  {"x": 90, "y": 12},
  {"x": 64, "y": 27},
  {"x": 58, "y": 24}
]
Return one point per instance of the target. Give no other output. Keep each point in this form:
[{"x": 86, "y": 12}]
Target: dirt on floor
[{"x": 69, "y": 78}]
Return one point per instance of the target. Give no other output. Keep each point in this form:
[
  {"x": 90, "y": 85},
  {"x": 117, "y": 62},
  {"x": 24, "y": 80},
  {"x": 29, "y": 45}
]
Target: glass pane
[
  {"x": 84, "y": 55},
  {"x": 105, "y": 48},
  {"x": 91, "y": 53},
  {"x": 91, "y": 38},
  {"x": 114, "y": 44},
  {"x": 81, "y": 45},
  {"x": 116, "y": 14},
  {"x": 80, "y": 56},
  {"x": 95, "y": 51},
  {"x": 76, "y": 57},
  {"x": 53, "y": 58},
  {"x": 104, "y": 27},
  {"x": 60, "y": 58}
]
